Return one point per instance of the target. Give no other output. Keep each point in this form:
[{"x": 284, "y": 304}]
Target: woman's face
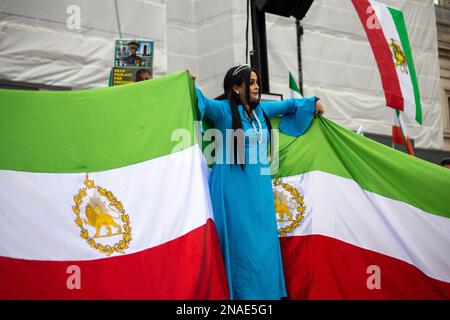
[
  {"x": 253, "y": 90},
  {"x": 254, "y": 87}
]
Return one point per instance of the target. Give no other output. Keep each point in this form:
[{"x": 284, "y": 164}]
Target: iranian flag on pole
[
  {"x": 98, "y": 199},
  {"x": 359, "y": 220},
  {"x": 386, "y": 30}
]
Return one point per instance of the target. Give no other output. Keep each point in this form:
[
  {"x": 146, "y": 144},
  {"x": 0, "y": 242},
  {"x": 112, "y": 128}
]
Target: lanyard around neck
[{"x": 258, "y": 132}]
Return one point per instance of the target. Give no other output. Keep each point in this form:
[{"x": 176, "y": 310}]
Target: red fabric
[
  {"x": 189, "y": 267},
  {"x": 320, "y": 267},
  {"x": 383, "y": 55},
  {"x": 409, "y": 146},
  {"x": 397, "y": 137}
]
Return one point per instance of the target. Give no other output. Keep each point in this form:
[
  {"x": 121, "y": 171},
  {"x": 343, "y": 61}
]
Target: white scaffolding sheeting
[{"x": 208, "y": 37}]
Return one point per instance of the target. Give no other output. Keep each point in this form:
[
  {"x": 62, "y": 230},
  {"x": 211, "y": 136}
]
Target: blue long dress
[{"x": 242, "y": 200}]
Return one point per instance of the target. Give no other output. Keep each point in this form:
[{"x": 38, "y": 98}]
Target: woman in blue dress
[{"x": 240, "y": 182}]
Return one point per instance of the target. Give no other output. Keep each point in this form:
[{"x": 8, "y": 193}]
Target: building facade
[{"x": 443, "y": 29}]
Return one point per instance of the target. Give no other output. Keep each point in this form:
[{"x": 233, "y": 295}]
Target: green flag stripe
[
  {"x": 399, "y": 21},
  {"x": 293, "y": 84},
  {"x": 331, "y": 148},
  {"x": 93, "y": 130}
]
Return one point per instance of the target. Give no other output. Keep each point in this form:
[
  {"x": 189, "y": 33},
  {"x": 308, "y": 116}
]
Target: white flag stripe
[
  {"x": 344, "y": 211},
  {"x": 165, "y": 198}
]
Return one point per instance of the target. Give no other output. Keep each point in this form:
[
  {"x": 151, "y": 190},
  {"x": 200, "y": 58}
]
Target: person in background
[
  {"x": 445, "y": 163},
  {"x": 143, "y": 74}
]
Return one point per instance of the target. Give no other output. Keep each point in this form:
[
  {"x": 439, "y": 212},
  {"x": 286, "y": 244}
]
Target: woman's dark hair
[{"x": 238, "y": 78}]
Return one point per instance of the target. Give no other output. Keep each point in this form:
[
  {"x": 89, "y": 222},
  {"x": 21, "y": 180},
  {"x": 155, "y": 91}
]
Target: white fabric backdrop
[{"x": 208, "y": 37}]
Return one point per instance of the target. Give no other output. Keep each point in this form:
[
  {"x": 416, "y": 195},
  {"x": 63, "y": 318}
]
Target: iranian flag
[
  {"x": 386, "y": 30},
  {"x": 359, "y": 220},
  {"x": 101, "y": 199}
]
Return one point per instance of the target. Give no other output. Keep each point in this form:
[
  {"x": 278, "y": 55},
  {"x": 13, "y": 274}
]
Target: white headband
[{"x": 240, "y": 68}]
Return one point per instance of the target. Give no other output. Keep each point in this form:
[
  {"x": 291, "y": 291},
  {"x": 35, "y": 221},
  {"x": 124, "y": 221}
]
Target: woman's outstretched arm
[
  {"x": 280, "y": 108},
  {"x": 213, "y": 109},
  {"x": 297, "y": 114}
]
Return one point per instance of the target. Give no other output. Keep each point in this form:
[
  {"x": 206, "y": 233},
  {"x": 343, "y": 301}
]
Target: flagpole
[
  {"x": 406, "y": 140},
  {"x": 299, "y": 54}
]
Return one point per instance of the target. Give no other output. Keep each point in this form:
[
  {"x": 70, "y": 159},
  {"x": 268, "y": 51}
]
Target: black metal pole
[
  {"x": 259, "y": 57},
  {"x": 299, "y": 54}
]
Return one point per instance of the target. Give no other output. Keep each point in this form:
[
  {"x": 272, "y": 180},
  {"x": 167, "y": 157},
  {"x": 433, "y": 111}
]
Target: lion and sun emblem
[
  {"x": 98, "y": 216},
  {"x": 101, "y": 218},
  {"x": 399, "y": 56},
  {"x": 289, "y": 207}
]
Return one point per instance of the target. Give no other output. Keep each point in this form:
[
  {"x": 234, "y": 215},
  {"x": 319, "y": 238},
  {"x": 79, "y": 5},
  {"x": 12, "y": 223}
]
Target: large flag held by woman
[
  {"x": 359, "y": 220},
  {"x": 98, "y": 201}
]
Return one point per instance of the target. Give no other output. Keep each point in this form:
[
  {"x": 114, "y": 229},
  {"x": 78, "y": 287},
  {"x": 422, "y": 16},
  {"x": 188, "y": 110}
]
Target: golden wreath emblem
[
  {"x": 289, "y": 207},
  {"x": 98, "y": 210},
  {"x": 399, "y": 55}
]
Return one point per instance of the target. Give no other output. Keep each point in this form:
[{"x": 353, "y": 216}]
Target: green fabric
[
  {"x": 101, "y": 129},
  {"x": 293, "y": 84},
  {"x": 399, "y": 21},
  {"x": 93, "y": 130},
  {"x": 331, "y": 148}
]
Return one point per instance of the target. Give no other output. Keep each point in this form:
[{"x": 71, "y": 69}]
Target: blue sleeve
[
  {"x": 298, "y": 114},
  {"x": 213, "y": 109}
]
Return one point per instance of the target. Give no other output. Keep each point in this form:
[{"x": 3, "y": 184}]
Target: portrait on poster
[{"x": 133, "y": 53}]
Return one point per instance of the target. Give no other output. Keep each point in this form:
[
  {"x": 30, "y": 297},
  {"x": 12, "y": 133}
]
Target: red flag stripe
[
  {"x": 189, "y": 267},
  {"x": 397, "y": 137},
  {"x": 320, "y": 267},
  {"x": 382, "y": 53}
]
